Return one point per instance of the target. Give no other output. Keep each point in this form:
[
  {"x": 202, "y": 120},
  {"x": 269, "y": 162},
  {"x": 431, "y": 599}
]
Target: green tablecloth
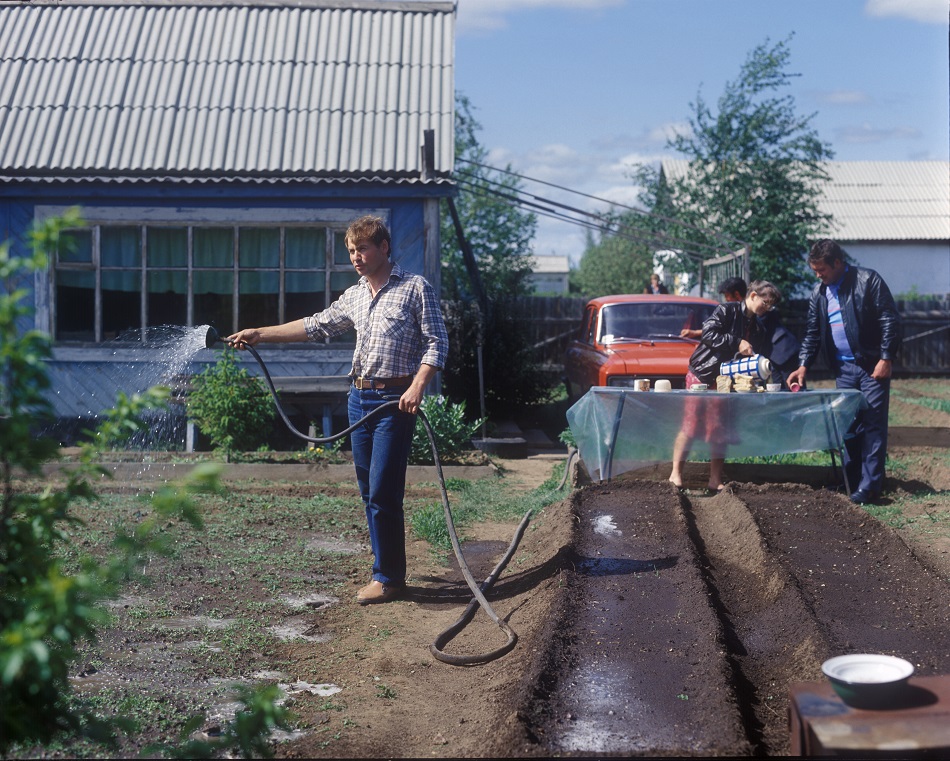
[{"x": 618, "y": 430}]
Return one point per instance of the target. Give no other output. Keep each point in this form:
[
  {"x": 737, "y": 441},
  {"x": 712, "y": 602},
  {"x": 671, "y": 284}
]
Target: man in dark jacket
[{"x": 853, "y": 319}]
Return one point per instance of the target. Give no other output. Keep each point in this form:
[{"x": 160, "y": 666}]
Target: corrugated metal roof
[
  {"x": 330, "y": 89},
  {"x": 879, "y": 200}
]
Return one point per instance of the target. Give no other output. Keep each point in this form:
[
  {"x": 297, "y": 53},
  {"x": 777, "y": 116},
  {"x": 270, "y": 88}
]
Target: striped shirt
[
  {"x": 836, "y": 321},
  {"x": 395, "y": 332}
]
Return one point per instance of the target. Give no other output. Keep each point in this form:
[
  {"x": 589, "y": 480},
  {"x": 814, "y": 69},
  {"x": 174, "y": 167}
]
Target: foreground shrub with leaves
[{"x": 47, "y": 611}]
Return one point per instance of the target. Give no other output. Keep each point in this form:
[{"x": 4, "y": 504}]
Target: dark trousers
[
  {"x": 866, "y": 441},
  {"x": 381, "y": 453}
]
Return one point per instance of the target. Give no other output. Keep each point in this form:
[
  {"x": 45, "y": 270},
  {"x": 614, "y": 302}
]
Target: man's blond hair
[{"x": 369, "y": 228}]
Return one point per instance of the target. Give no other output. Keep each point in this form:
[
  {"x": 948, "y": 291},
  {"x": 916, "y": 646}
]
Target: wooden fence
[{"x": 553, "y": 320}]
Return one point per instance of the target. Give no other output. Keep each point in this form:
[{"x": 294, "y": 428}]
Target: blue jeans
[
  {"x": 381, "y": 454},
  {"x": 866, "y": 443}
]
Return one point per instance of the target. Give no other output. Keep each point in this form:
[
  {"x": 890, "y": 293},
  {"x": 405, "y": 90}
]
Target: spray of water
[{"x": 159, "y": 356}]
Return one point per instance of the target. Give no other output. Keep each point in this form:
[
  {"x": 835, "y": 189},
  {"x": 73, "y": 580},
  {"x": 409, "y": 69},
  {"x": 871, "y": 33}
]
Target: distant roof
[
  {"x": 879, "y": 200},
  {"x": 237, "y": 90},
  {"x": 550, "y": 264}
]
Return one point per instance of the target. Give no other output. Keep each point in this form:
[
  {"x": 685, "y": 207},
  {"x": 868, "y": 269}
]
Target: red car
[{"x": 626, "y": 338}]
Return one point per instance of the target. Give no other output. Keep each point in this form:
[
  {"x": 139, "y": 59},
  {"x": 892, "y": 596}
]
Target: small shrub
[
  {"x": 452, "y": 434},
  {"x": 566, "y": 437},
  {"x": 229, "y": 406}
]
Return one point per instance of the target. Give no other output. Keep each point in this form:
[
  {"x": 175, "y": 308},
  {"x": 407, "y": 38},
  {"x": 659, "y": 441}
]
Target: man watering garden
[{"x": 401, "y": 342}]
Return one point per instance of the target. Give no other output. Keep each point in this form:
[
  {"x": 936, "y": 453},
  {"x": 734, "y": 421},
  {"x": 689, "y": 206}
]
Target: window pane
[
  {"x": 259, "y": 247},
  {"x": 340, "y": 254},
  {"x": 120, "y": 247},
  {"x": 167, "y": 246},
  {"x": 340, "y": 281},
  {"x": 76, "y": 247},
  {"x": 214, "y": 299},
  {"x": 121, "y": 303},
  {"x": 305, "y": 247},
  {"x": 304, "y": 294},
  {"x": 258, "y": 301},
  {"x": 214, "y": 247},
  {"x": 75, "y": 305},
  {"x": 167, "y": 297}
]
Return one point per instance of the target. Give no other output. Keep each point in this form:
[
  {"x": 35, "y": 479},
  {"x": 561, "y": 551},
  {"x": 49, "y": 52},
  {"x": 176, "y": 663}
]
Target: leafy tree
[
  {"x": 755, "y": 171},
  {"x": 499, "y": 232},
  {"x": 500, "y": 235},
  {"x": 614, "y": 264},
  {"x": 230, "y": 407}
]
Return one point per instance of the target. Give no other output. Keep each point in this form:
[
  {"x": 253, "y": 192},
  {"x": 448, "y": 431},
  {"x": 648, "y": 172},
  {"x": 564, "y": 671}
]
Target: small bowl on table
[{"x": 865, "y": 680}]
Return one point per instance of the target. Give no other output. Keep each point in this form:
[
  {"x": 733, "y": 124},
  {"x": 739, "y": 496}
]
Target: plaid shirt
[{"x": 395, "y": 332}]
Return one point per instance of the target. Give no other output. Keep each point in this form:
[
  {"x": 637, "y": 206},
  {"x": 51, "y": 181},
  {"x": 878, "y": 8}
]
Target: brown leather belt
[{"x": 363, "y": 384}]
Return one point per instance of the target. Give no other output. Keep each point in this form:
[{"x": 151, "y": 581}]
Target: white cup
[
  {"x": 773, "y": 386},
  {"x": 698, "y": 387},
  {"x": 662, "y": 385}
]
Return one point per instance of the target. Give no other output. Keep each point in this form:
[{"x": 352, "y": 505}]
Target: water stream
[{"x": 161, "y": 356}]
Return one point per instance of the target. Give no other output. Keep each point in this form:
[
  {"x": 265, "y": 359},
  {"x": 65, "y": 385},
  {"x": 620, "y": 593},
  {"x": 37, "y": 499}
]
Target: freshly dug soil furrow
[
  {"x": 642, "y": 667},
  {"x": 772, "y": 635},
  {"x": 869, "y": 592}
]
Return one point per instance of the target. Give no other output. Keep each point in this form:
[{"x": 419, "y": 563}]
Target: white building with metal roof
[
  {"x": 218, "y": 150},
  {"x": 891, "y": 216}
]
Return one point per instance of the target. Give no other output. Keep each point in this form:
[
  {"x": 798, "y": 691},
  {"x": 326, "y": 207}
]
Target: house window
[{"x": 116, "y": 281}]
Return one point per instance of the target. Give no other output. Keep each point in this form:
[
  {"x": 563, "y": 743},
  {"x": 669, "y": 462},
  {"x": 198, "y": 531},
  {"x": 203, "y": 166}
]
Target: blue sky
[{"x": 574, "y": 92}]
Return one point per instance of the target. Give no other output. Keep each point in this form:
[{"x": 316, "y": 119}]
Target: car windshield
[{"x": 646, "y": 320}]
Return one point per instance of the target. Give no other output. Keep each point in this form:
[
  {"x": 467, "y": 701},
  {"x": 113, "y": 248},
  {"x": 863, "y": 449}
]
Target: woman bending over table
[{"x": 732, "y": 329}]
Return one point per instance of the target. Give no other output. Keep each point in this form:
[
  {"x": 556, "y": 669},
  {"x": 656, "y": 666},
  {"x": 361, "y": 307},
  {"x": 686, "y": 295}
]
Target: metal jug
[{"x": 757, "y": 366}]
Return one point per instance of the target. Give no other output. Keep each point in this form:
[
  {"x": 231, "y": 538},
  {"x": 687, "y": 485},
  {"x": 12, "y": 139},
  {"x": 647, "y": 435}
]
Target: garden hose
[{"x": 478, "y": 591}]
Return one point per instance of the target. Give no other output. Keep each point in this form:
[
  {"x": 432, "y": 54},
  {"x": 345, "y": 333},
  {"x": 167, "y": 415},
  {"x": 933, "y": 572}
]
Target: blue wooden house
[{"x": 217, "y": 151}]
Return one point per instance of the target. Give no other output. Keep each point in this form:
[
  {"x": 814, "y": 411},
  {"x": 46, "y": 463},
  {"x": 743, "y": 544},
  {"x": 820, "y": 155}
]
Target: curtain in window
[
  {"x": 167, "y": 246},
  {"x": 120, "y": 247}
]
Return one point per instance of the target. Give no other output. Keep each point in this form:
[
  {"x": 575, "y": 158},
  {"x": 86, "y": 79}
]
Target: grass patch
[
  {"x": 821, "y": 459},
  {"x": 929, "y": 393},
  {"x": 476, "y": 501}
]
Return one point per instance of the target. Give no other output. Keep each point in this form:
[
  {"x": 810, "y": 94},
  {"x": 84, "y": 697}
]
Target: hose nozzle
[{"x": 212, "y": 337}]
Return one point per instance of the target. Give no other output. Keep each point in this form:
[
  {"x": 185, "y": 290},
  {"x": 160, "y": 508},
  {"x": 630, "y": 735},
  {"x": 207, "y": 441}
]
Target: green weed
[{"x": 479, "y": 500}]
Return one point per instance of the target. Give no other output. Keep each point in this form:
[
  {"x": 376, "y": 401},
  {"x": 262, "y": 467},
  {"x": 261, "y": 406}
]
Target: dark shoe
[
  {"x": 862, "y": 497},
  {"x": 377, "y": 592}
]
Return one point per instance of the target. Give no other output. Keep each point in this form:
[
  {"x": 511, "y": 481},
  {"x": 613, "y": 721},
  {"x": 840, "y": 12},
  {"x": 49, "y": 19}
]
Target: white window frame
[{"x": 335, "y": 220}]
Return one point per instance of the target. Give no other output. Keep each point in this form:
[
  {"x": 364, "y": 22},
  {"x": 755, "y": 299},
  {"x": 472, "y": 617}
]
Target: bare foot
[
  {"x": 677, "y": 484},
  {"x": 716, "y": 487}
]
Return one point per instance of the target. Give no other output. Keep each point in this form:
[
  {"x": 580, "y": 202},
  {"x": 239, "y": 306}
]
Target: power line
[
  {"x": 725, "y": 238},
  {"x": 617, "y": 230},
  {"x": 542, "y": 206}
]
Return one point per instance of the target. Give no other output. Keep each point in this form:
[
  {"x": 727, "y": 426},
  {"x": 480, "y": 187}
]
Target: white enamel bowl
[{"x": 866, "y": 680}]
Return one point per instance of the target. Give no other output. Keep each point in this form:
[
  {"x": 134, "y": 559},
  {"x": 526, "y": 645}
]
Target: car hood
[{"x": 649, "y": 359}]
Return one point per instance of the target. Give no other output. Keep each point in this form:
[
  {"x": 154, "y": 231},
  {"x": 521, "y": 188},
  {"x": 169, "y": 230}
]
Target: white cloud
[
  {"x": 843, "y": 97},
  {"x": 652, "y": 139},
  {"x": 868, "y": 134},
  {"x": 599, "y": 181},
  {"x": 487, "y": 15},
  {"x": 925, "y": 11}
]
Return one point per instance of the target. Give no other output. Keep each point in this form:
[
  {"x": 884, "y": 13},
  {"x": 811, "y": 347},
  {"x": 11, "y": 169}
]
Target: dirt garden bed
[{"x": 650, "y": 622}]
